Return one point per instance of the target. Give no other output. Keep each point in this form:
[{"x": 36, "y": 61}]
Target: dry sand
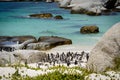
[
  {"x": 71, "y": 48},
  {"x": 65, "y": 48}
]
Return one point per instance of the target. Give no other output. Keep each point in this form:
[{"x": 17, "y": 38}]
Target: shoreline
[
  {"x": 70, "y": 48},
  {"x": 45, "y": 67}
]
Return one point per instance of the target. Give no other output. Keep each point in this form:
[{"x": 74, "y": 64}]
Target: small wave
[
  {"x": 23, "y": 17},
  {"x": 81, "y": 20},
  {"x": 77, "y": 32},
  {"x": 75, "y": 26},
  {"x": 28, "y": 17},
  {"x": 52, "y": 32},
  {"x": 48, "y": 32}
]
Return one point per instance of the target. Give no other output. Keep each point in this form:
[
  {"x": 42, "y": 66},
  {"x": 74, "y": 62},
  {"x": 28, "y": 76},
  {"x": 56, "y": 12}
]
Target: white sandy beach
[
  {"x": 70, "y": 48},
  {"x": 8, "y": 71}
]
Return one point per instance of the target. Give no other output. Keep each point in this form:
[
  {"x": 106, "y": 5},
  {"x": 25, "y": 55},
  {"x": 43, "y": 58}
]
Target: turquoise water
[{"x": 14, "y": 22}]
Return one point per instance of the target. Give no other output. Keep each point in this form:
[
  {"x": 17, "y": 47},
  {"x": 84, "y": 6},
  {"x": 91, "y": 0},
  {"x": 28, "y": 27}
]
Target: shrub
[
  {"x": 0, "y": 77},
  {"x": 16, "y": 75},
  {"x": 56, "y": 76},
  {"x": 117, "y": 64}
]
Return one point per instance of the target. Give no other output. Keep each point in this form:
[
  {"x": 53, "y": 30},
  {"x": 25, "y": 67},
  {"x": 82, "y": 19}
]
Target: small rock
[
  {"x": 43, "y": 15},
  {"x": 89, "y": 29},
  {"x": 58, "y": 17}
]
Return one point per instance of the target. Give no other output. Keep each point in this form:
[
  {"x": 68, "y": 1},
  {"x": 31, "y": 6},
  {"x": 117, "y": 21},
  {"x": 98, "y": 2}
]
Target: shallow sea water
[{"x": 14, "y": 21}]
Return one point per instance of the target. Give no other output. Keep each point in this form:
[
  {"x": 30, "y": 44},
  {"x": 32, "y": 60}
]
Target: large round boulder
[
  {"x": 107, "y": 50},
  {"x": 42, "y": 15},
  {"x": 89, "y": 29}
]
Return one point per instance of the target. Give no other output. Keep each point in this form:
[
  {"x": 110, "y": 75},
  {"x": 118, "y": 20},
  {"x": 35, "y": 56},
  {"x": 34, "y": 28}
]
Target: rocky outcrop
[
  {"x": 48, "y": 42},
  {"x": 49, "y": 1},
  {"x": 64, "y": 3},
  {"x": 54, "y": 39},
  {"x": 37, "y": 57},
  {"x": 10, "y": 43},
  {"x": 43, "y": 15},
  {"x": 110, "y": 12},
  {"x": 21, "y": 57},
  {"x": 7, "y": 58},
  {"x": 46, "y": 16},
  {"x": 39, "y": 46},
  {"x": 107, "y": 50},
  {"x": 21, "y": 39},
  {"x": 29, "y": 56},
  {"x": 80, "y": 11},
  {"x": 89, "y": 29},
  {"x": 21, "y": 0},
  {"x": 91, "y": 13},
  {"x": 116, "y": 9},
  {"x": 110, "y": 4},
  {"x": 84, "y": 11},
  {"x": 89, "y": 7}
]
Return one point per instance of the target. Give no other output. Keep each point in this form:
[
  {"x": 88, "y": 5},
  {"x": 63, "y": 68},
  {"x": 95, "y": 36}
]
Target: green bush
[
  {"x": 56, "y": 76},
  {"x": 50, "y": 76},
  {"x": 16, "y": 75},
  {"x": 0, "y": 77},
  {"x": 117, "y": 64}
]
